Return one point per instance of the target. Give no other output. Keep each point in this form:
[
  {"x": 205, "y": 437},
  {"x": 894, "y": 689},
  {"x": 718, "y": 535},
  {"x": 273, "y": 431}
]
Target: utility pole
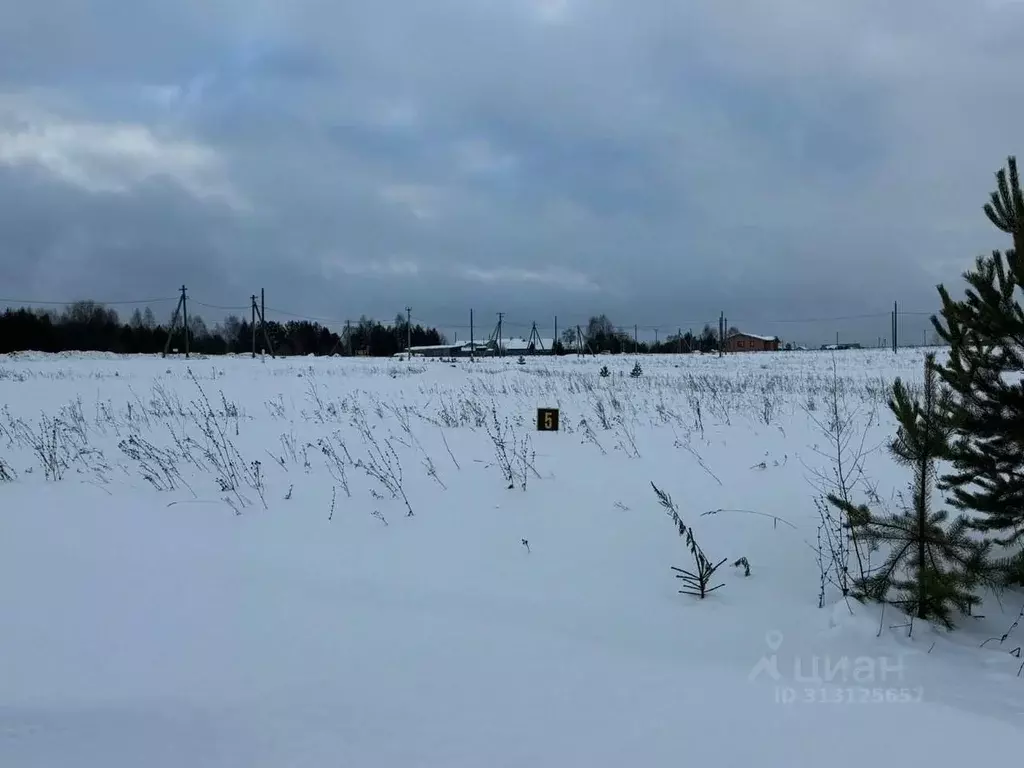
[
  {"x": 535, "y": 342},
  {"x": 501, "y": 342},
  {"x": 259, "y": 312},
  {"x": 895, "y": 326},
  {"x": 721, "y": 332},
  {"x": 348, "y": 337},
  {"x": 636, "y": 341},
  {"x": 680, "y": 337},
  {"x": 180, "y": 309},
  {"x": 253, "y": 299},
  {"x": 656, "y": 342},
  {"x": 554, "y": 341},
  {"x": 472, "y": 340},
  {"x": 184, "y": 314},
  {"x": 408, "y": 333}
]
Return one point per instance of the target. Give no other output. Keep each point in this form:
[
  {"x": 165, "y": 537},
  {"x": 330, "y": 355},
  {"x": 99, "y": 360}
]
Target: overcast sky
[{"x": 659, "y": 161}]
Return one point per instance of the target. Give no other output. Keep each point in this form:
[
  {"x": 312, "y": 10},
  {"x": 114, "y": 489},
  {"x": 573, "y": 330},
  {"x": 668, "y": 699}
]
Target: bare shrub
[
  {"x": 515, "y": 456},
  {"x": 589, "y": 436},
  {"x": 381, "y": 462},
  {"x": 846, "y": 430},
  {"x": 158, "y": 466},
  {"x": 7, "y": 473}
]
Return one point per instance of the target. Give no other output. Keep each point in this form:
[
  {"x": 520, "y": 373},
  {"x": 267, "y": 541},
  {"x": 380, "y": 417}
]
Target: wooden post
[
  {"x": 184, "y": 314},
  {"x": 721, "y": 333},
  {"x": 174, "y": 323}
]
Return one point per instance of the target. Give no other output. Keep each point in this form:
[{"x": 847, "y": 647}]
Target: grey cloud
[
  {"x": 60, "y": 243},
  {"x": 657, "y": 161}
]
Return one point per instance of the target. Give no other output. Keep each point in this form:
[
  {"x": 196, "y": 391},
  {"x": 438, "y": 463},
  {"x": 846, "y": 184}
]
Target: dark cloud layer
[{"x": 796, "y": 165}]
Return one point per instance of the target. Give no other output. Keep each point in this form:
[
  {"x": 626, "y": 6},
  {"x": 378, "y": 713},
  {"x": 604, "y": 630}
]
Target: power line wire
[
  {"x": 31, "y": 302},
  {"x": 306, "y": 317},
  {"x": 219, "y": 306},
  {"x": 567, "y": 323}
]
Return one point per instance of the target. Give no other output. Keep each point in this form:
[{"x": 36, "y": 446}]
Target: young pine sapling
[{"x": 694, "y": 583}]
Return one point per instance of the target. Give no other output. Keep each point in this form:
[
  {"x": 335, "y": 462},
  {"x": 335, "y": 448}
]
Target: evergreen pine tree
[
  {"x": 985, "y": 332},
  {"x": 932, "y": 566}
]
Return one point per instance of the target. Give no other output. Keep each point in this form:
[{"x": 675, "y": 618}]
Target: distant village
[{"x": 737, "y": 341}]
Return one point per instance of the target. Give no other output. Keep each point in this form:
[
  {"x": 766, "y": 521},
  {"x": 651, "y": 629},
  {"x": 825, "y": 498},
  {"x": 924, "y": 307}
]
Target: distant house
[
  {"x": 474, "y": 349},
  {"x": 520, "y": 346},
  {"x": 510, "y": 346},
  {"x": 751, "y": 342},
  {"x": 434, "y": 350}
]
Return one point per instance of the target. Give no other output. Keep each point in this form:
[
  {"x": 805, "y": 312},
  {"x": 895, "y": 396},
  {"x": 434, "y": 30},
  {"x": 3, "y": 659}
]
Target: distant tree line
[
  {"x": 91, "y": 326},
  {"x": 601, "y": 335}
]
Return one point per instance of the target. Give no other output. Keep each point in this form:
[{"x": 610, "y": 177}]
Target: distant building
[
  {"x": 434, "y": 350},
  {"x": 474, "y": 349},
  {"x": 751, "y": 342},
  {"x": 521, "y": 346},
  {"x": 491, "y": 348}
]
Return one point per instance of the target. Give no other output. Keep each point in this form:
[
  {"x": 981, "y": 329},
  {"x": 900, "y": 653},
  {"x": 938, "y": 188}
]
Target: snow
[
  {"x": 521, "y": 344},
  {"x": 754, "y": 336},
  {"x": 508, "y": 345},
  {"x": 201, "y": 628}
]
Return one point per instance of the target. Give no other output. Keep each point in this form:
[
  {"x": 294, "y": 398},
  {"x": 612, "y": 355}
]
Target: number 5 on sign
[{"x": 547, "y": 419}]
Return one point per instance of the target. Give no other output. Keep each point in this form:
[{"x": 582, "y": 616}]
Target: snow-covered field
[{"x": 320, "y": 562}]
